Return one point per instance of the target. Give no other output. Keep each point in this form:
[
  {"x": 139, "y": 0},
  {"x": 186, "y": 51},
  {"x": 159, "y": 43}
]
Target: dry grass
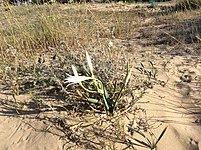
[
  {"x": 47, "y": 36},
  {"x": 188, "y": 4}
]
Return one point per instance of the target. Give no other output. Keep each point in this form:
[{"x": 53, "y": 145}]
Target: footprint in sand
[
  {"x": 193, "y": 144},
  {"x": 183, "y": 89},
  {"x": 186, "y": 77}
]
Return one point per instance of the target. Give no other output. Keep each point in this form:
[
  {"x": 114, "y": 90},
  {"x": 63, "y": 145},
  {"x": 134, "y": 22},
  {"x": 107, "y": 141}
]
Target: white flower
[
  {"x": 89, "y": 63},
  {"x": 77, "y": 79},
  {"x": 74, "y": 70}
]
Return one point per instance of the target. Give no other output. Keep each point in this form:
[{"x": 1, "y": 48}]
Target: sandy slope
[
  {"x": 21, "y": 132},
  {"x": 16, "y": 134},
  {"x": 178, "y": 103}
]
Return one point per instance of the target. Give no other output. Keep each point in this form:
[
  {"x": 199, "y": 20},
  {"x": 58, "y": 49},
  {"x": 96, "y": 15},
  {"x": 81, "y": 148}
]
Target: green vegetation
[{"x": 109, "y": 99}]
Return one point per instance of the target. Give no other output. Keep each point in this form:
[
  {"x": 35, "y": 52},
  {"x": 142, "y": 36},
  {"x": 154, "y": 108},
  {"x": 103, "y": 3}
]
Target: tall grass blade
[
  {"x": 137, "y": 131},
  {"x": 162, "y": 133},
  {"x": 143, "y": 143},
  {"x": 128, "y": 75},
  {"x": 106, "y": 98},
  {"x": 138, "y": 145},
  {"x": 140, "y": 133}
]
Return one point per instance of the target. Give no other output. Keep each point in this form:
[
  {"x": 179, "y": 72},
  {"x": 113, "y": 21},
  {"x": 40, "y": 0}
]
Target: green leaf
[
  {"x": 128, "y": 75},
  {"x": 92, "y": 100},
  {"x": 106, "y": 98}
]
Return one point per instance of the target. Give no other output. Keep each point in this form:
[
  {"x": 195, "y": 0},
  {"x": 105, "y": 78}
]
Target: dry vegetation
[
  {"x": 188, "y": 4},
  {"x": 38, "y": 45}
]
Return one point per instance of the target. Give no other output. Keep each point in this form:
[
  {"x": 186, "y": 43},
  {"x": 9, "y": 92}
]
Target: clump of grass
[
  {"x": 149, "y": 72},
  {"x": 147, "y": 142},
  {"x": 188, "y": 4}
]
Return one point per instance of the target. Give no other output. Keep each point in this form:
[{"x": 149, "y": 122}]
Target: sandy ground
[{"x": 176, "y": 105}]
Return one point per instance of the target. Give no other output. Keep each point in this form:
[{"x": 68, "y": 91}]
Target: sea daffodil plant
[{"x": 110, "y": 102}]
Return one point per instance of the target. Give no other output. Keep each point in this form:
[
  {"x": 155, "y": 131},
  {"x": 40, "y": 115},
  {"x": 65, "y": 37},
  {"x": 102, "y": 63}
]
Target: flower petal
[
  {"x": 74, "y": 70},
  {"x": 76, "y": 79},
  {"x": 89, "y": 63}
]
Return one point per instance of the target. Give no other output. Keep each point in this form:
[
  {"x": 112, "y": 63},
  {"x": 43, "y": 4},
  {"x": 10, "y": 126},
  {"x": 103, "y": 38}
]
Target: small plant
[
  {"x": 147, "y": 143},
  {"x": 153, "y": 5},
  {"x": 92, "y": 85},
  {"x": 150, "y": 72}
]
